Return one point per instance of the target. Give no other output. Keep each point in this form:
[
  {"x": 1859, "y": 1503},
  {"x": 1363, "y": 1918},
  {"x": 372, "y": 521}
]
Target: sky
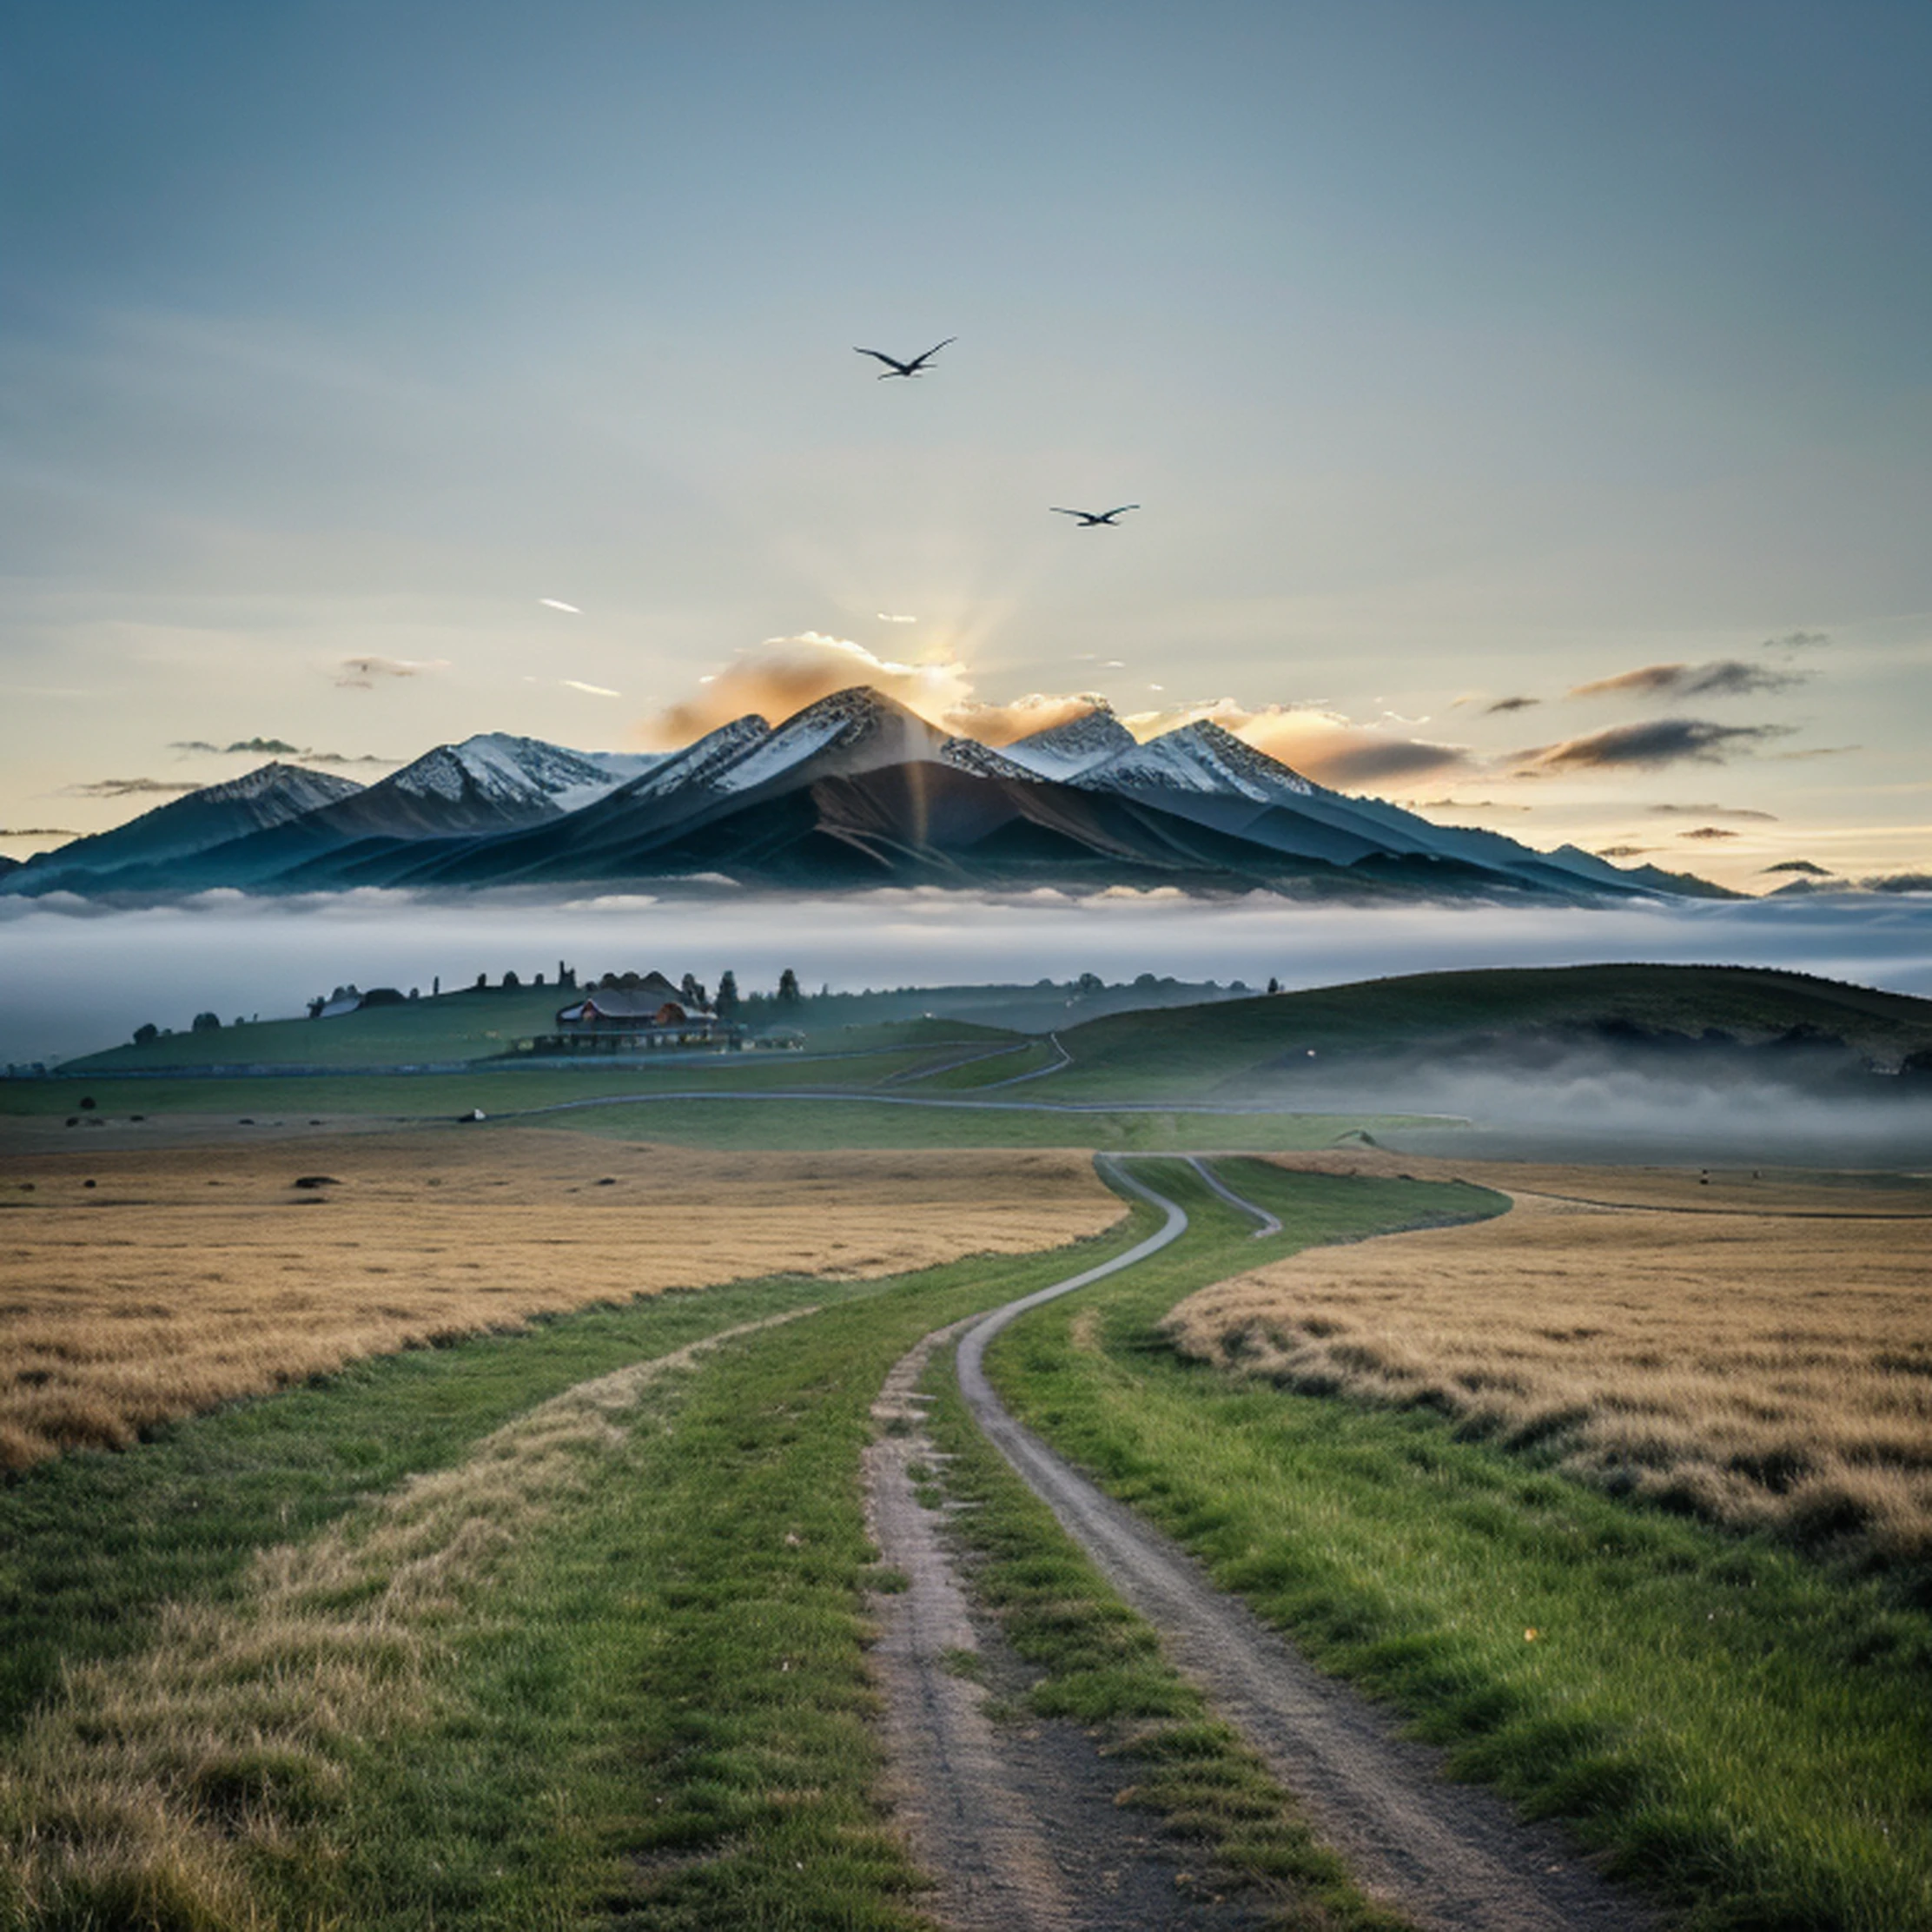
[{"x": 1530, "y": 408}]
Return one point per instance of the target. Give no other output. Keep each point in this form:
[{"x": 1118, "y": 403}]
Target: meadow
[
  {"x": 1754, "y": 1351},
  {"x": 142, "y": 1285}
]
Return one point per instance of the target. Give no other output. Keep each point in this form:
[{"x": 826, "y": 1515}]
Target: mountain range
[{"x": 853, "y": 791}]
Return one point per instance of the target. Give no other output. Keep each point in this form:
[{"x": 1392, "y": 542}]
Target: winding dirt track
[{"x": 1447, "y": 1855}]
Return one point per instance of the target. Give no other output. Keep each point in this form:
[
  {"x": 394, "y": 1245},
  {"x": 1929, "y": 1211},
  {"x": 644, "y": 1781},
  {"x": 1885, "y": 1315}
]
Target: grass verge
[{"x": 1739, "y": 1730}]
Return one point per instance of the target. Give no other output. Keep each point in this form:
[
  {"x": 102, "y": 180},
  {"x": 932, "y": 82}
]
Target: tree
[
  {"x": 789, "y": 999},
  {"x": 208, "y": 1022},
  {"x": 693, "y": 989},
  {"x": 1089, "y": 982},
  {"x": 511, "y": 982},
  {"x": 1274, "y": 985},
  {"x": 142, "y": 1035},
  {"x": 727, "y": 994}
]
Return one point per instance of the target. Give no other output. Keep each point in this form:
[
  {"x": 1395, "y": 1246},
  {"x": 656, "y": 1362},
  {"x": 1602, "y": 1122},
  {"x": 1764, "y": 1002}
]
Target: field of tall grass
[
  {"x": 1764, "y": 1360},
  {"x": 137, "y": 1288}
]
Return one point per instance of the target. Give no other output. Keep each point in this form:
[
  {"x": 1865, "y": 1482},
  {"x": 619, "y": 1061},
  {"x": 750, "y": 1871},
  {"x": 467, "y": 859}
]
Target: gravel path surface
[{"x": 1448, "y": 1855}]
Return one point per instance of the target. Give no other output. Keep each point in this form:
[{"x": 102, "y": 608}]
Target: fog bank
[{"x": 78, "y": 977}]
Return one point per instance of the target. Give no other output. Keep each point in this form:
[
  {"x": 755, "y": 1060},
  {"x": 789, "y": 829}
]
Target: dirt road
[{"x": 1449, "y": 1855}]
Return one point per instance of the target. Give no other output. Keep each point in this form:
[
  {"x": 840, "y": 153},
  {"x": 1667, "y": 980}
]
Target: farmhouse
[{"x": 628, "y": 1019}]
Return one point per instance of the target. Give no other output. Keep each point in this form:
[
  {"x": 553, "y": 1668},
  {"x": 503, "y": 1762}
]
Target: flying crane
[
  {"x": 916, "y": 367},
  {"x": 1093, "y": 519}
]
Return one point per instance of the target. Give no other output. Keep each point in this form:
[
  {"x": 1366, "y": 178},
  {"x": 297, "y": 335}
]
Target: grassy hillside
[{"x": 1192, "y": 1049}]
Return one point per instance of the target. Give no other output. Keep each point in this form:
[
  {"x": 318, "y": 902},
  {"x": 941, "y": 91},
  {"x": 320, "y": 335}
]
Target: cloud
[
  {"x": 1037, "y": 711},
  {"x": 271, "y": 747},
  {"x": 556, "y": 605},
  {"x": 784, "y": 674},
  {"x": 595, "y": 690},
  {"x": 1796, "y": 640},
  {"x": 1803, "y": 866},
  {"x": 38, "y": 832},
  {"x": 1724, "y": 677},
  {"x": 1710, "y": 832},
  {"x": 361, "y": 673},
  {"x": 1900, "y": 882},
  {"x": 894, "y": 617},
  {"x": 1625, "y": 851},
  {"x": 1508, "y": 704},
  {"x": 130, "y": 788},
  {"x": 1664, "y": 741},
  {"x": 1711, "y": 812}
]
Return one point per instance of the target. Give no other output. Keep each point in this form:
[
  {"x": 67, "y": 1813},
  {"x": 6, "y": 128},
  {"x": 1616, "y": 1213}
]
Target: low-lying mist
[
  {"x": 78, "y": 977},
  {"x": 1542, "y": 1100}
]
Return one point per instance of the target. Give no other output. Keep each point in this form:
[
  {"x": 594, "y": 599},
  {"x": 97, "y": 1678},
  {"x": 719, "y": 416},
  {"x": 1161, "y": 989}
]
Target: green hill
[{"x": 1194, "y": 1049}]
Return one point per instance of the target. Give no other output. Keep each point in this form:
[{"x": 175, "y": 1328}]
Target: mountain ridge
[{"x": 852, "y": 789}]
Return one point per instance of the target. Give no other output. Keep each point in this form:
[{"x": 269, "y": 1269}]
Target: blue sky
[{"x": 1460, "y": 355}]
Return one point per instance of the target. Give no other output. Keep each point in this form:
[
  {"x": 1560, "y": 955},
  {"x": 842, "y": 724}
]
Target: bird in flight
[
  {"x": 1092, "y": 520},
  {"x": 916, "y": 367}
]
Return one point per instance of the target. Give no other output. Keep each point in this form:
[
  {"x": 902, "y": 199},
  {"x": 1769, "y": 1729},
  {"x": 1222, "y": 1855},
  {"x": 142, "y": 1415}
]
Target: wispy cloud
[
  {"x": 1711, "y": 832},
  {"x": 38, "y": 832},
  {"x": 1664, "y": 741},
  {"x": 1723, "y": 678},
  {"x": 557, "y": 603},
  {"x": 1510, "y": 704},
  {"x": 895, "y": 617},
  {"x": 595, "y": 690},
  {"x": 1803, "y": 866},
  {"x": 1710, "y": 812},
  {"x": 362, "y": 673},
  {"x": 270, "y": 747},
  {"x": 1625, "y": 852},
  {"x": 130, "y": 788},
  {"x": 279, "y": 747},
  {"x": 1796, "y": 640}
]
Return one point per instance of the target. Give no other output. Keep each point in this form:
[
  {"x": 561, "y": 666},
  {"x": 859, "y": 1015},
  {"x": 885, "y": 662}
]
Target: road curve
[{"x": 1448, "y": 1855}]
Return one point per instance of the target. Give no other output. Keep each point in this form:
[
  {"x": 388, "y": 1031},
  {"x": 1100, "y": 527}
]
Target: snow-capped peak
[
  {"x": 1201, "y": 757},
  {"x": 1066, "y": 750},
  {"x": 290, "y": 790},
  {"x": 865, "y": 728},
  {"x": 505, "y": 771}
]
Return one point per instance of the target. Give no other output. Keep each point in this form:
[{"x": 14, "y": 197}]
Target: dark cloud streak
[{"x": 1649, "y": 746}]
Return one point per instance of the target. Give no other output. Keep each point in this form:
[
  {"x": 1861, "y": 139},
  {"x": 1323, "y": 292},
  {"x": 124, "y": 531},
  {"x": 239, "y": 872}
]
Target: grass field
[
  {"x": 157, "y": 1283},
  {"x": 552, "y": 1663},
  {"x": 1764, "y": 1359},
  {"x": 1738, "y": 1728}
]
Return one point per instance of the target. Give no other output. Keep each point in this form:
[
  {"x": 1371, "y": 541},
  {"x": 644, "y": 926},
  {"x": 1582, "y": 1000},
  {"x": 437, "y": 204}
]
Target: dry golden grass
[
  {"x": 140, "y": 1795},
  {"x": 183, "y": 1278},
  {"x": 1758, "y": 1353}
]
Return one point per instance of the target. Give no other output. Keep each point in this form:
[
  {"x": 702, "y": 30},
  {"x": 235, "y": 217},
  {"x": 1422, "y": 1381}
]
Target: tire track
[{"x": 1450, "y": 1855}]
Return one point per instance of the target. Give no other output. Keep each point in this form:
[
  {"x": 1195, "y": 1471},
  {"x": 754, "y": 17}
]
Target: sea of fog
[{"x": 75, "y": 976}]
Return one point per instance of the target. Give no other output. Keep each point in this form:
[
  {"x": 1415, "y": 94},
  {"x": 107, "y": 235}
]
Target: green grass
[
  {"x": 863, "y": 1123},
  {"x": 1742, "y": 1732},
  {"x": 93, "y": 1545}
]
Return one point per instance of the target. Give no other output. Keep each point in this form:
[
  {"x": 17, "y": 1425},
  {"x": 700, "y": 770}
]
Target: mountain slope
[{"x": 270, "y": 796}]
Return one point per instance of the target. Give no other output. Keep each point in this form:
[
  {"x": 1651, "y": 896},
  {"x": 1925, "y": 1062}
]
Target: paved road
[{"x": 1448, "y": 1855}]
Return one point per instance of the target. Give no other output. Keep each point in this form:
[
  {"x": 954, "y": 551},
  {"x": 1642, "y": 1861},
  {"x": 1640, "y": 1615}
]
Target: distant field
[
  {"x": 1754, "y": 1351},
  {"x": 142, "y": 1285}
]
